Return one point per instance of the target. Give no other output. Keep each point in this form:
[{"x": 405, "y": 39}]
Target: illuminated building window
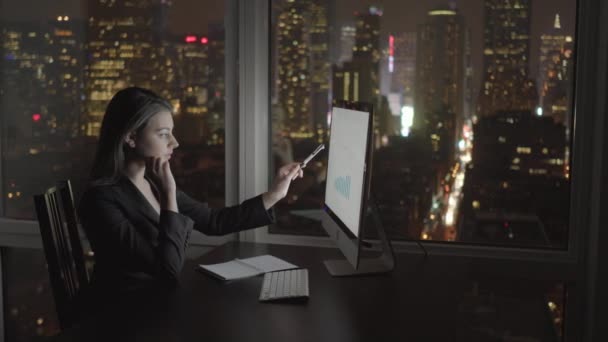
[
  {"x": 537, "y": 171},
  {"x": 555, "y": 161},
  {"x": 524, "y": 150}
]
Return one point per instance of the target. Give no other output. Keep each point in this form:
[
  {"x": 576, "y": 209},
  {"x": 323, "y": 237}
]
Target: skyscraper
[
  {"x": 366, "y": 50},
  {"x": 216, "y": 86},
  {"x": 347, "y": 42},
  {"x": 517, "y": 175},
  {"x": 320, "y": 72},
  {"x": 404, "y": 74},
  {"x": 66, "y": 76},
  {"x": 367, "y": 35},
  {"x": 192, "y": 60},
  {"x": 440, "y": 71},
  {"x": 554, "y": 72},
  {"x": 25, "y": 111},
  {"x": 43, "y": 61},
  {"x": 293, "y": 79},
  {"x": 506, "y": 84},
  {"x": 352, "y": 82},
  {"x": 124, "y": 48}
]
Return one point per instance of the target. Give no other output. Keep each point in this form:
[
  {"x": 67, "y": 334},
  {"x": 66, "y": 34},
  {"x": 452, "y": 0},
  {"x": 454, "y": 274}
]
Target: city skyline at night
[
  {"x": 448, "y": 109},
  {"x": 191, "y": 16},
  {"x": 443, "y": 169},
  {"x": 116, "y": 47}
]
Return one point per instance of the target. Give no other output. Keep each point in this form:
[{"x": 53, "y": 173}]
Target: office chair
[{"x": 63, "y": 249}]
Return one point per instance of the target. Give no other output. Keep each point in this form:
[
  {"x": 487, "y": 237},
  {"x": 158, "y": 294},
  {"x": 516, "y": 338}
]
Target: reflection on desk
[{"x": 437, "y": 299}]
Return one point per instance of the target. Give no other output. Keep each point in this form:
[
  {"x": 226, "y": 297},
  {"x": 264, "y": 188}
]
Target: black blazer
[{"x": 134, "y": 245}]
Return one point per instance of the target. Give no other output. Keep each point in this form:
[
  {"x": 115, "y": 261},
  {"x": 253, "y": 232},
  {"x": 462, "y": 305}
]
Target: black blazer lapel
[{"x": 138, "y": 200}]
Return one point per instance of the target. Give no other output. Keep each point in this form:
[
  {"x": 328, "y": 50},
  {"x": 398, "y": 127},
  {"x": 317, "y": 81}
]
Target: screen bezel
[{"x": 367, "y": 173}]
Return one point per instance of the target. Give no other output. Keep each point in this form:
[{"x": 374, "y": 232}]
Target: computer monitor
[{"x": 347, "y": 189}]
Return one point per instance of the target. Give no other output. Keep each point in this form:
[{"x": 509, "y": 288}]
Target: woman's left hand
[{"x": 281, "y": 183}]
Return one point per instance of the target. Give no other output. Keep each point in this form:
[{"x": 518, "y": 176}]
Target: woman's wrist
[
  {"x": 270, "y": 199},
  {"x": 169, "y": 202}
]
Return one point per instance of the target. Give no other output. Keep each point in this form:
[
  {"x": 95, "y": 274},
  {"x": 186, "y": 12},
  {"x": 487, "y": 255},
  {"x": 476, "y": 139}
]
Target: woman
[{"x": 137, "y": 221}]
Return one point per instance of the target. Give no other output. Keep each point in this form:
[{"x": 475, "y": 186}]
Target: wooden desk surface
[{"x": 435, "y": 299}]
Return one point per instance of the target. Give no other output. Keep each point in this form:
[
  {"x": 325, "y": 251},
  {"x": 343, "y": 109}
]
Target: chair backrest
[{"x": 62, "y": 248}]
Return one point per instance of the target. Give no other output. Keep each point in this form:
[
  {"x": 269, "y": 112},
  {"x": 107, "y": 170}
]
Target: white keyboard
[{"x": 285, "y": 285}]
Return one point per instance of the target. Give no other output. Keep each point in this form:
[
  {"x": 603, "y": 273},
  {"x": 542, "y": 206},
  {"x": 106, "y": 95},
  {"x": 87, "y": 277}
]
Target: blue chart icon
[{"x": 342, "y": 184}]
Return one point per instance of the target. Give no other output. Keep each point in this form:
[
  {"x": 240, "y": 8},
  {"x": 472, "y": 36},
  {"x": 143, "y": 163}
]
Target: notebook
[{"x": 244, "y": 268}]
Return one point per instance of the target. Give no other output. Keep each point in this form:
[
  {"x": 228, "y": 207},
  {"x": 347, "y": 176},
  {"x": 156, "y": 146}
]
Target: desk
[{"x": 423, "y": 300}]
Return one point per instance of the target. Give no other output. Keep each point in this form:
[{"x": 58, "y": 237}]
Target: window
[
  {"x": 61, "y": 64},
  {"x": 463, "y": 107}
]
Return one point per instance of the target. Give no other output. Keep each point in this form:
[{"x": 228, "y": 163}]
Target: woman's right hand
[{"x": 159, "y": 170}]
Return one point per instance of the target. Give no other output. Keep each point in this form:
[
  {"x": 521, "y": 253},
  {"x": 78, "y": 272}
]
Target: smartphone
[{"x": 312, "y": 155}]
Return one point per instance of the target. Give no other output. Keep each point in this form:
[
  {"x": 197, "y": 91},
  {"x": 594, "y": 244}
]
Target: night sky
[{"x": 193, "y": 16}]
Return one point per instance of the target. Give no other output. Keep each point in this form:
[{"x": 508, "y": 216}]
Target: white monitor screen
[{"x": 346, "y": 165}]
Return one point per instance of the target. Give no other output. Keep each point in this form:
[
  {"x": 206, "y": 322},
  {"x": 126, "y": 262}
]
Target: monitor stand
[{"x": 384, "y": 263}]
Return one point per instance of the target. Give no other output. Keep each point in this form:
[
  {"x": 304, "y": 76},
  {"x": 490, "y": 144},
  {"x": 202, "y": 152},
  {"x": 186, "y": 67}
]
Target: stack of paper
[{"x": 243, "y": 268}]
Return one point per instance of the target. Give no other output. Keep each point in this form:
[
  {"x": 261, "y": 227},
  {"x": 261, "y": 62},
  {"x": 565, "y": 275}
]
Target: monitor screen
[{"x": 346, "y": 166}]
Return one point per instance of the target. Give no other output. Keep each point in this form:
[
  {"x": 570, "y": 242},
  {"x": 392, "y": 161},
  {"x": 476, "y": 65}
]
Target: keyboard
[{"x": 287, "y": 285}]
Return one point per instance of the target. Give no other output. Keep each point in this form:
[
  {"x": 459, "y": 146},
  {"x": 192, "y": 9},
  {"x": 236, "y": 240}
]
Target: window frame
[
  {"x": 26, "y": 233},
  {"x": 579, "y": 262},
  {"x": 258, "y": 29}
]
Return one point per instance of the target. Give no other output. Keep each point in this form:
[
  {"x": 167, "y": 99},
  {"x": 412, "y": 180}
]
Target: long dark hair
[{"x": 129, "y": 110}]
